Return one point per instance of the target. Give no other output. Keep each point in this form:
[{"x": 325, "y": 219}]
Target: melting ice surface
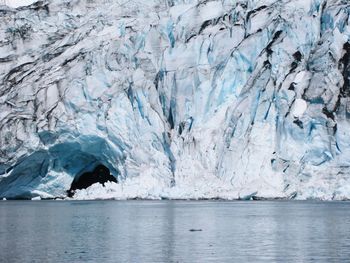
[{"x": 178, "y": 99}]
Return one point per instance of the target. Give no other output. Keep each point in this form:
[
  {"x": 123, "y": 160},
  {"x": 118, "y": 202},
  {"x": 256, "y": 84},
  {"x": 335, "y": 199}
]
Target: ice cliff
[{"x": 178, "y": 98}]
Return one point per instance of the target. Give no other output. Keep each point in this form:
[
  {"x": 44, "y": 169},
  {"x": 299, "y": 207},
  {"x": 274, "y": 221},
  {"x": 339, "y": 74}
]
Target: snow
[
  {"x": 210, "y": 10},
  {"x": 299, "y": 108},
  {"x": 19, "y": 3},
  {"x": 179, "y": 99}
]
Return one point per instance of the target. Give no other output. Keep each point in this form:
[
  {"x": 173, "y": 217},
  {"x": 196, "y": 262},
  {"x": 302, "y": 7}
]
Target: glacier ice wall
[{"x": 178, "y": 98}]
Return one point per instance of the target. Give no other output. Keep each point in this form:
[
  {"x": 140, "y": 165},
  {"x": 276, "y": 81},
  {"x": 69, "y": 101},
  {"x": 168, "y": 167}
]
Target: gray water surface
[{"x": 159, "y": 231}]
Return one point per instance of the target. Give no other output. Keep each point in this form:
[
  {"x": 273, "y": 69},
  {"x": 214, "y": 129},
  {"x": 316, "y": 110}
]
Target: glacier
[{"x": 180, "y": 99}]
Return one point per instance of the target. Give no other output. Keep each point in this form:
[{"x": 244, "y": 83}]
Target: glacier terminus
[{"x": 179, "y": 99}]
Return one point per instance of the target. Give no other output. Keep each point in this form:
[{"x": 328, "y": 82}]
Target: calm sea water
[{"x": 159, "y": 231}]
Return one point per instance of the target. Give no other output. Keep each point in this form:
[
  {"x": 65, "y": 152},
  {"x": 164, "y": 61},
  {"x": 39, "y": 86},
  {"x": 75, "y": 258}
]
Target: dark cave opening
[{"x": 100, "y": 174}]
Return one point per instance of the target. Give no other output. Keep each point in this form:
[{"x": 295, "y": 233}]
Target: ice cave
[{"x": 100, "y": 174}]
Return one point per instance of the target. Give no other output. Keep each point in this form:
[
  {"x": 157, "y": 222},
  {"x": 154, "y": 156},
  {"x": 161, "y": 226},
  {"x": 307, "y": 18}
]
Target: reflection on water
[{"x": 158, "y": 231}]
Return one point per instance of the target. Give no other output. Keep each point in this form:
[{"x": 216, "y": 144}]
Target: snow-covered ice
[{"x": 17, "y": 3}]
